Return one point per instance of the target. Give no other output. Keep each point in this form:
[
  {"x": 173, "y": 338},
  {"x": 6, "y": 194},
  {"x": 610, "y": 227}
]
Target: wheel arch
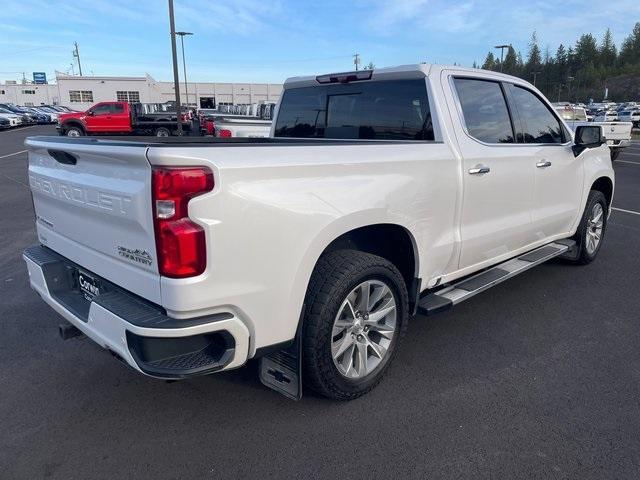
[
  {"x": 389, "y": 240},
  {"x": 605, "y": 185},
  {"x": 73, "y": 123}
]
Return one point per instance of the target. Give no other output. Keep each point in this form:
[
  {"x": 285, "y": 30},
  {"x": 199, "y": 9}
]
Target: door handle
[
  {"x": 543, "y": 164},
  {"x": 479, "y": 170}
]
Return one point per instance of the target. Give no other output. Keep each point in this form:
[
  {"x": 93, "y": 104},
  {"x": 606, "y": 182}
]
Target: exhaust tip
[{"x": 67, "y": 331}]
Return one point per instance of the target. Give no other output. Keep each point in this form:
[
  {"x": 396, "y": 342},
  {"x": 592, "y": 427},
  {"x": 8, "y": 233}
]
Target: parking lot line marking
[
  {"x": 631, "y": 153},
  {"x": 627, "y": 161},
  {"x": 625, "y": 211},
  {"x": 12, "y": 154}
]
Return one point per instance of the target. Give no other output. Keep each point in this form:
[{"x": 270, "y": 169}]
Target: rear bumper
[
  {"x": 136, "y": 331},
  {"x": 619, "y": 143}
]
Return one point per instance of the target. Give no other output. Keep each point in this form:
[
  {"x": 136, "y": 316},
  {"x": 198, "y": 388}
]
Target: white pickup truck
[
  {"x": 380, "y": 194},
  {"x": 230, "y": 127},
  {"x": 617, "y": 133}
]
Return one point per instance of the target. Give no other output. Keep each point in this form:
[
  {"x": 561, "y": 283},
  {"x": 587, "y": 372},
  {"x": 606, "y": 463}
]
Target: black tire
[
  {"x": 615, "y": 152},
  {"x": 74, "y": 131},
  {"x": 585, "y": 256},
  {"x": 335, "y": 276},
  {"x": 163, "y": 132}
]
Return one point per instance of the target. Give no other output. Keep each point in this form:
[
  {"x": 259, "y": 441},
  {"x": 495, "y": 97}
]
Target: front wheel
[
  {"x": 74, "y": 132},
  {"x": 592, "y": 228},
  {"x": 356, "y": 309}
]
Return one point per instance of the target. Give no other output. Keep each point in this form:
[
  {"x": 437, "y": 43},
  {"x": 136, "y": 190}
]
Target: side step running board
[{"x": 467, "y": 288}]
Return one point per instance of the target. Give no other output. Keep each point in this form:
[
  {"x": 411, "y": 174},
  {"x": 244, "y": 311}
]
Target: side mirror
[
  {"x": 90, "y": 113},
  {"x": 587, "y": 136}
]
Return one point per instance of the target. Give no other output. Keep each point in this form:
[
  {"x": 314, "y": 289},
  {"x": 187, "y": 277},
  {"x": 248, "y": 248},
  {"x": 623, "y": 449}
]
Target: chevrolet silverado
[{"x": 379, "y": 195}]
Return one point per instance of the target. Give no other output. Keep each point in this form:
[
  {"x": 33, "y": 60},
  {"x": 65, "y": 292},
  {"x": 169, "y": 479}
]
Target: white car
[
  {"x": 632, "y": 116},
  {"x": 380, "y": 194},
  {"x": 606, "y": 116},
  {"x": 14, "y": 120}
]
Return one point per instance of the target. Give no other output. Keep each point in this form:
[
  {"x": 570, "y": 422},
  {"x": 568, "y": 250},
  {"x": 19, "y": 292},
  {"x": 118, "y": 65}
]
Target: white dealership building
[{"x": 80, "y": 93}]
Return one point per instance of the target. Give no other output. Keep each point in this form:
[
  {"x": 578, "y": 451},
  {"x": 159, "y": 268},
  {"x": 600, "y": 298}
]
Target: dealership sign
[{"x": 39, "y": 77}]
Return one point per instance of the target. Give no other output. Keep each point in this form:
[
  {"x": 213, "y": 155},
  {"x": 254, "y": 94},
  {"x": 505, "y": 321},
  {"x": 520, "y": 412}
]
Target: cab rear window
[{"x": 382, "y": 110}]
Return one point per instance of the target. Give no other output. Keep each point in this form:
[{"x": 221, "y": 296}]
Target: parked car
[
  {"x": 632, "y": 116},
  {"x": 606, "y": 116},
  {"x": 49, "y": 111},
  {"x": 28, "y": 118},
  {"x": 118, "y": 118},
  {"x": 617, "y": 134},
  {"x": 14, "y": 120},
  {"x": 380, "y": 194},
  {"x": 41, "y": 117},
  {"x": 226, "y": 127},
  {"x": 5, "y": 123}
]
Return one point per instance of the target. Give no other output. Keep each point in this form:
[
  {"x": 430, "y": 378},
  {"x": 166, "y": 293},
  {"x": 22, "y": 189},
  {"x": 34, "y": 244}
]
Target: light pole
[
  {"x": 535, "y": 76},
  {"x": 184, "y": 64},
  {"x": 174, "y": 55},
  {"x": 501, "y": 47}
]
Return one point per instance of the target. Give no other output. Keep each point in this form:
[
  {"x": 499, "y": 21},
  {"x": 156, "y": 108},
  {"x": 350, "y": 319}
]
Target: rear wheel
[
  {"x": 356, "y": 308},
  {"x": 163, "y": 132},
  {"x": 592, "y": 228},
  {"x": 74, "y": 132}
]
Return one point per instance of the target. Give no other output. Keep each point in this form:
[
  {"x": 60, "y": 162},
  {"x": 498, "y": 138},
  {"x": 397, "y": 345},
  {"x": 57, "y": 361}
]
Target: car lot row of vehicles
[
  {"x": 615, "y": 130},
  {"x": 611, "y": 112},
  {"x": 12, "y": 115}
]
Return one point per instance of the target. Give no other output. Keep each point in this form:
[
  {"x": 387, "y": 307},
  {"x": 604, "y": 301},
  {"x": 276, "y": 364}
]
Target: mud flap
[{"x": 282, "y": 370}]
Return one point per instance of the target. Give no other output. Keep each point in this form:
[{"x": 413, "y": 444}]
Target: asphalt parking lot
[{"x": 536, "y": 378}]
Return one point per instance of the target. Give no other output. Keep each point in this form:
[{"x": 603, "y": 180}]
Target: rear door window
[
  {"x": 485, "y": 111},
  {"x": 382, "y": 110}
]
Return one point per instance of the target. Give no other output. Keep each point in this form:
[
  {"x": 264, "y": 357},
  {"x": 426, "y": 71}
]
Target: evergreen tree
[
  {"x": 534, "y": 59},
  {"x": 630, "y": 50},
  {"x": 510, "y": 64},
  {"x": 608, "y": 51},
  {"x": 490, "y": 62}
]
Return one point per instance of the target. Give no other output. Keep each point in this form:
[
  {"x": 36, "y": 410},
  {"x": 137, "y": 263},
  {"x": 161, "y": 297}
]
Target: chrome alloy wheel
[
  {"x": 595, "y": 224},
  {"x": 73, "y": 133},
  {"x": 363, "y": 329}
]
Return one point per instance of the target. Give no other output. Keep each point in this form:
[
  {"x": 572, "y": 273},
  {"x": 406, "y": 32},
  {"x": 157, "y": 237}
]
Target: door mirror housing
[
  {"x": 587, "y": 136},
  {"x": 91, "y": 113}
]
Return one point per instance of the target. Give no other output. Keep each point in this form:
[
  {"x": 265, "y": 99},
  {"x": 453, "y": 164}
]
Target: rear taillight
[
  {"x": 180, "y": 243},
  {"x": 224, "y": 133}
]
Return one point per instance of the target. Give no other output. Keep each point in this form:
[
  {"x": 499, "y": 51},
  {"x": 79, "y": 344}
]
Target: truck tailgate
[
  {"x": 92, "y": 201},
  {"x": 617, "y": 130}
]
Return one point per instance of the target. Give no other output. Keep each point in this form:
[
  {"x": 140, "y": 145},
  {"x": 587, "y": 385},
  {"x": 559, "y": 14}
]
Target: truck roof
[{"x": 400, "y": 72}]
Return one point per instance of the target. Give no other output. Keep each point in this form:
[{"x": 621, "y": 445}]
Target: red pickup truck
[{"x": 120, "y": 118}]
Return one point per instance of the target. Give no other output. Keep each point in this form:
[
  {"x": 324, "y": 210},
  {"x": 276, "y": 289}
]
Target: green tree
[
  {"x": 630, "y": 50},
  {"x": 608, "y": 51},
  {"x": 510, "y": 64},
  {"x": 534, "y": 59},
  {"x": 490, "y": 62}
]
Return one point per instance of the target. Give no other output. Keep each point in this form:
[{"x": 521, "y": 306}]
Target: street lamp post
[
  {"x": 176, "y": 79},
  {"x": 501, "y": 47},
  {"x": 535, "y": 76},
  {"x": 184, "y": 64}
]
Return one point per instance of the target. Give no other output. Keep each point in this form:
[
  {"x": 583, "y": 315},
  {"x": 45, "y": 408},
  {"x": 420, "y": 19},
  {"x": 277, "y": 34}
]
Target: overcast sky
[{"x": 270, "y": 40}]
